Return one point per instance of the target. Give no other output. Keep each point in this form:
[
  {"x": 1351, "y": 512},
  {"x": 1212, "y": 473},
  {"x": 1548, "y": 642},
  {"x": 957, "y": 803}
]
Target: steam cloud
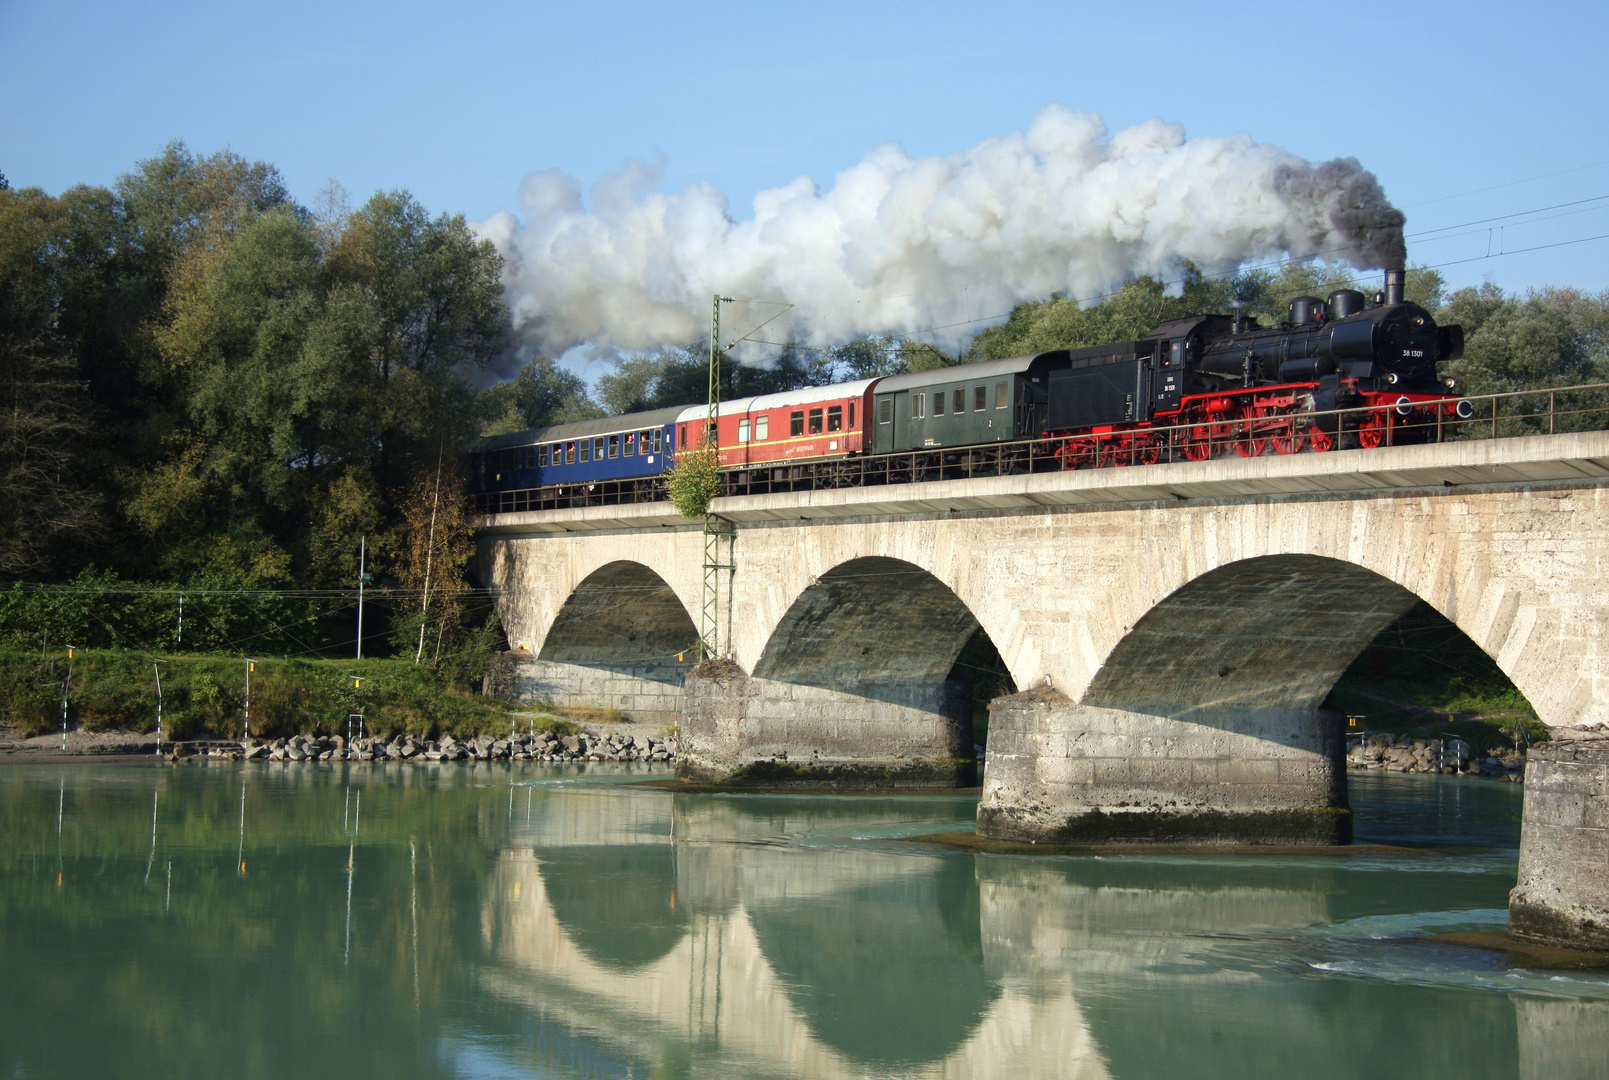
[{"x": 900, "y": 244}]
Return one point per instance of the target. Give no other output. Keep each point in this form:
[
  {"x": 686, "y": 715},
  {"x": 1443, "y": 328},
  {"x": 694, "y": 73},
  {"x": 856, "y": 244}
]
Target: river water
[{"x": 480, "y": 921}]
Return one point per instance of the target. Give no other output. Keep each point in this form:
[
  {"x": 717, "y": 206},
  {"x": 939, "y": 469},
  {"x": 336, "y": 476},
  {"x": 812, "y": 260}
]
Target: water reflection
[{"x": 465, "y": 922}]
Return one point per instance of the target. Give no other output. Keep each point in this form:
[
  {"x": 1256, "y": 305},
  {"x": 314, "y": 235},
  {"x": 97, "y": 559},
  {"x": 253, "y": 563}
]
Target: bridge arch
[
  {"x": 869, "y": 621},
  {"x": 1266, "y": 635},
  {"x": 620, "y": 616},
  {"x": 619, "y": 638}
]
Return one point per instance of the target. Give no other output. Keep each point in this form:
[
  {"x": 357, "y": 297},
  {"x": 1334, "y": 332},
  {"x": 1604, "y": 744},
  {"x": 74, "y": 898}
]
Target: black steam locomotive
[{"x": 1336, "y": 372}]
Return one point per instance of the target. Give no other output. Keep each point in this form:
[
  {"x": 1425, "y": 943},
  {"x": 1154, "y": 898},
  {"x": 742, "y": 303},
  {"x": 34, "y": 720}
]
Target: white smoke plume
[{"x": 900, "y": 244}]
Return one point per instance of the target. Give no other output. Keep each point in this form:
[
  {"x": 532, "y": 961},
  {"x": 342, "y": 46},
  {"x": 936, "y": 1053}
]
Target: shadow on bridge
[{"x": 871, "y": 671}]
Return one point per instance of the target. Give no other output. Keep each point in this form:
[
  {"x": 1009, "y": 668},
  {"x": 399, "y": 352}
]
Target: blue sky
[{"x": 457, "y": 102}]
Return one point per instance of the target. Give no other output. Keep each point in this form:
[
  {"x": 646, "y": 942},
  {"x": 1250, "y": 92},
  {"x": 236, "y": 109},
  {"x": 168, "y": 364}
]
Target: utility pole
[
  {"x": 715, "y": 528},
  {"x": 180, "y": 641},
  {"x": 430, "y": 551},
  {"x": 251, "y": 666},
  {"x": 66, "y": 684},
  {"x": 363, "y": 551},
  {"x": 156, "y": 667}
]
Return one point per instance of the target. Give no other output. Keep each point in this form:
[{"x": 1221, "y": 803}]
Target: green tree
[
  {"x": 45, "y": 501},
  {"x": 1545, "y": 338},
  {"x": 541, "y": 394},
  {"x": 680, "y": 376}
]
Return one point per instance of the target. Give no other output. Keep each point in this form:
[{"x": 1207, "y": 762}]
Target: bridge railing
[{"x": 1291, "y": 430}]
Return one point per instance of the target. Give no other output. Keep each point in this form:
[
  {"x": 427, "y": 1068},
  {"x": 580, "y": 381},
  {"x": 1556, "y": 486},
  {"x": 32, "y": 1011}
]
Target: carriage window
[
  {"x": 815, "y": 421},
  {"x": 835, "y": 418},
  {"x": 1001, "y": 397},
  {"x": 885, "y": 411},
  {"x": 658, "y": 436},
  {"x": 558, "y": 453},
  {"x": 542, "y": 456},
  {"x": 851, "y": 414},
  {"x": 743, "y": 431},
  {"x": 762, "y": 429},
  {"x": 796, "y": 423},
  {"x": 938, "y": 403},
  {"x": 569, "y": 453},
  {"x": 918, "y": 406},
  {"x": 597, "y": 448},
  {"x": 628, "y": 444},
  {"x": 980, "y": 398},
  {"x": 530, "y": 457},
  {"x": 614, "y": 446},
  {"x": 586, "y": 449},
  {"x": 960, "y": 400}
]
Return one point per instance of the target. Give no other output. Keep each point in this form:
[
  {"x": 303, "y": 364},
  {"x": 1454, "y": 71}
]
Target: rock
[
  {"x": 257, "y": 752},
  {"x": 571, "y": 743}
]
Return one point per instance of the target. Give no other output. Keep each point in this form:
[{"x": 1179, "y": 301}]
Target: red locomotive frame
[{"x": 1252, "y": 420}]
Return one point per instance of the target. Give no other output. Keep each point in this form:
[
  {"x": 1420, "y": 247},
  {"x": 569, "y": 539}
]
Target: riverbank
[
  {"x": 1445, "y": 757},
  {"x": 559, "y": 744}
]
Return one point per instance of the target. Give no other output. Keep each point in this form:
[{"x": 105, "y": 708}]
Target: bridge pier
[
  {"x": 1562, "y": 897},
  {"x": 1065, "y": 773},
  {"x": 644, "y": 692},
  {"x": 736, "y": 728}
]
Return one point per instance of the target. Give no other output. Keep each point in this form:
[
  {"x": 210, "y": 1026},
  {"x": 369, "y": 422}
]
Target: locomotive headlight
[
  {"x": 1391, "y": 378},
  {"x": 1404, "y": 405},
  {"x": 1450, "y": 383},
  {"x": 1463, "y": 410}
]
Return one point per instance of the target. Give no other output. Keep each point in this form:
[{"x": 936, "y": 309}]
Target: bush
[{"x": 694, "y": 481}]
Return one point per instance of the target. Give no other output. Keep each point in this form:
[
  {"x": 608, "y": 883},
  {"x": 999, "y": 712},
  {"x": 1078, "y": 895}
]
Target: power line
[
  {"x": 1504, "y": 217},
  {"x": 1509, "y": 184}
]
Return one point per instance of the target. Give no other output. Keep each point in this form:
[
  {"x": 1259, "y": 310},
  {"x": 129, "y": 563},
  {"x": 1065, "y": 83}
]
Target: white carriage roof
[{"x": 808, "y": 395}]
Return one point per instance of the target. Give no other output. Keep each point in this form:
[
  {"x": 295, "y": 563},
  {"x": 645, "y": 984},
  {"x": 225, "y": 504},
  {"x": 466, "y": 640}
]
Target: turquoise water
[{"x": 261, "y": 921}]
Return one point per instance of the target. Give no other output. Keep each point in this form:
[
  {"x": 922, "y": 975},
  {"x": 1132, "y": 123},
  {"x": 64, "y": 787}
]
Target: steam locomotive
[{"x": 1337, "y": 372}]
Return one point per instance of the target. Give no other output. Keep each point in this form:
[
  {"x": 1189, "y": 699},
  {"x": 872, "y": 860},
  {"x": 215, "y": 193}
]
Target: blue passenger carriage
[{"x": 615, "y": 459}]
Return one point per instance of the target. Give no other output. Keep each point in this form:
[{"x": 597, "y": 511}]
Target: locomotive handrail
[{"x": 1428, "y": 418}]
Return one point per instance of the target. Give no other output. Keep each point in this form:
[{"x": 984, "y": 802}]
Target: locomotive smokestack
[{"x": 1394, "y": 283}]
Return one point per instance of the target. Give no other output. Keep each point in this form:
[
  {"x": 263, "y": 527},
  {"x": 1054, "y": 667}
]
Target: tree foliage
[
  {"x": 209, "y": 382},
  {"x": 694, "y": 481},
  {"x": 541, "y": 394}
]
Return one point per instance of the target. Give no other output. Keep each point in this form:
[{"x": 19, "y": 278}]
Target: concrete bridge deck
[{"x": 1541, "y": 459}]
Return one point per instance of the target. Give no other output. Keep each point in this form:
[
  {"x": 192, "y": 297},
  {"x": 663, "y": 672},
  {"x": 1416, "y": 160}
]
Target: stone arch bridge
[{"x": 1172, "y": 630}]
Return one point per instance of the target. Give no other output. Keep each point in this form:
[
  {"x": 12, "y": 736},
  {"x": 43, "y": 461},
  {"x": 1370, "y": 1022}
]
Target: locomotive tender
[{"x": 1336, "y": 372}]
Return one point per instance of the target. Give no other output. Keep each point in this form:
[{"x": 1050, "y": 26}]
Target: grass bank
[{"x": 204, "y": 696}]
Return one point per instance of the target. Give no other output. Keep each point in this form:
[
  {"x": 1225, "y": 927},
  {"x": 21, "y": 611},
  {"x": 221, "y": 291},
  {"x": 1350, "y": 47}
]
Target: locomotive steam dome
[
  {"x": 1305, "y": 309},
  {"x": 1344, "y": 302}
]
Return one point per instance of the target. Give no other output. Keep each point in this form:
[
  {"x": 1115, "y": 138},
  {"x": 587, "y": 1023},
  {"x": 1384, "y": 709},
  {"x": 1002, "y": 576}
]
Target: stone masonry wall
[
  {"x": 1060, "y": 772},
  {"x": 737, "y": 728},
  {"x": 645, "y": 693},
  {"x": 1563, "y": 892},
  {"x": 1525, "y": 573}
]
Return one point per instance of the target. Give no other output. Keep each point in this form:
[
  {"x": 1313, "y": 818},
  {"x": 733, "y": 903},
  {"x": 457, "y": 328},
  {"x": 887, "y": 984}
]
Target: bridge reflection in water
[{"x": 703, "y": 931}]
